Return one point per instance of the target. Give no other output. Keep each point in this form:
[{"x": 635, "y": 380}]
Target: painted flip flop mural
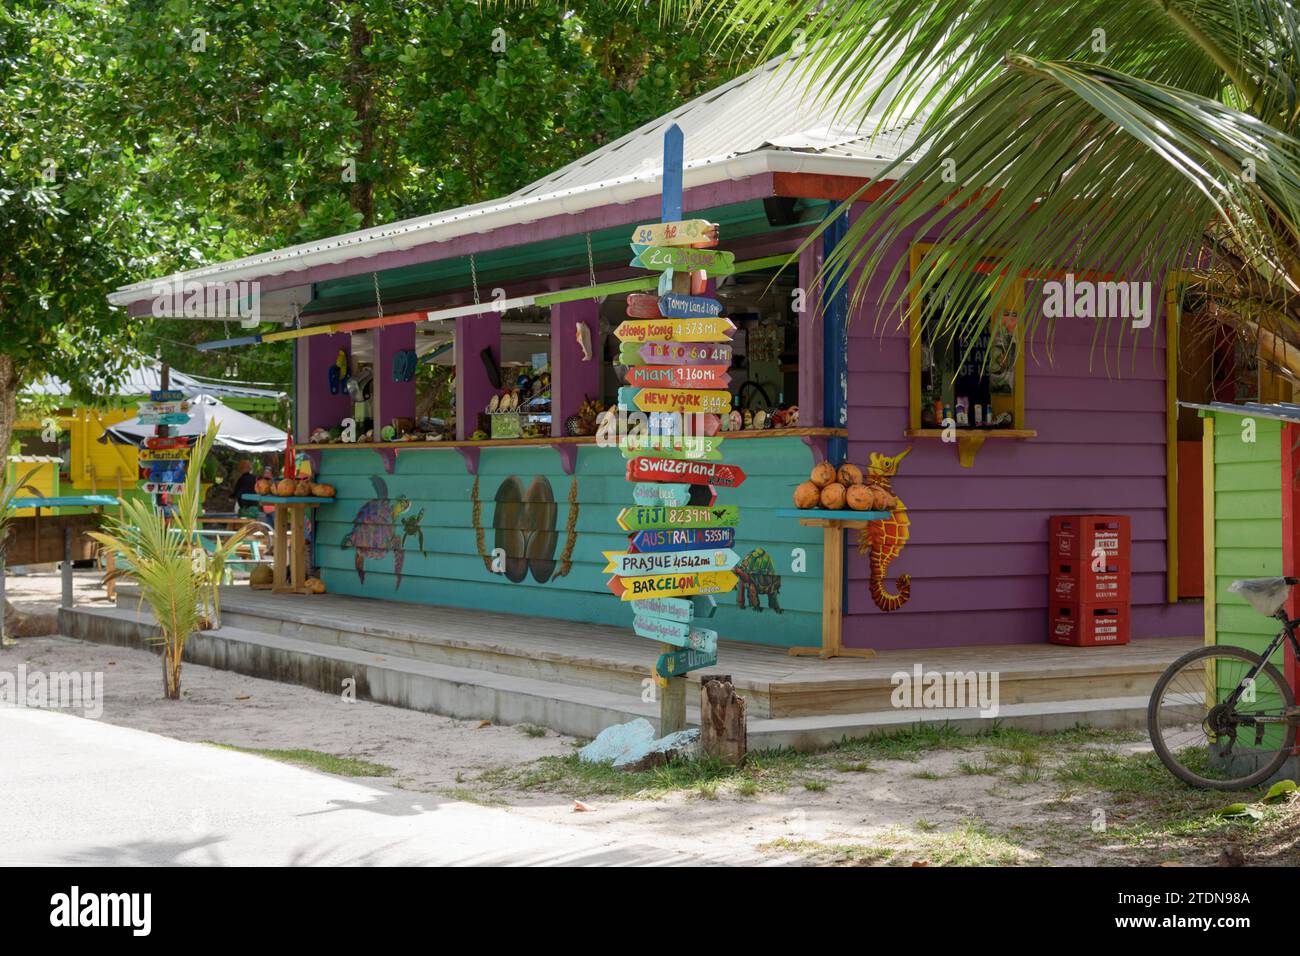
[{"x": 524, "y": 529}]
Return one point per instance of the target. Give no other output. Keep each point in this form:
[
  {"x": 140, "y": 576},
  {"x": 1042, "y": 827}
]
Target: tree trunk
[
  {"x": 8, "y": 414},
  {"x": 361, "y": 83},
  {"x": 723, "y": 732},
  {"x": 171, "y": 663}
]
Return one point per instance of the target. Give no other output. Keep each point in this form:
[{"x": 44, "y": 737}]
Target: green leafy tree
[{"x": 1096, "y": 134}]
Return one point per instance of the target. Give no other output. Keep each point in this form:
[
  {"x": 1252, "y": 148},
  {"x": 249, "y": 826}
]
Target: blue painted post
[
  {"x": 835, "y": 352},
  {"x": 671, "y": 200}
]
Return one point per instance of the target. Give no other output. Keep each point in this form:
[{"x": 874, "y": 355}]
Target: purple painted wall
[
  {"x": 324, "y": 409},
  {"x": 474, "y": 390},
  {"x": 392, "y": 399},
  {"x": 977, "y": 554},
  {"x": 573, "y": 380}
]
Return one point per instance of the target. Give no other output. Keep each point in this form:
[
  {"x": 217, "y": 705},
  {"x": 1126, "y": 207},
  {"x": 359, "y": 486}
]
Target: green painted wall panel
[
  {"x": 1248, "y": 525},
  {"x": 450, "y": 570}
]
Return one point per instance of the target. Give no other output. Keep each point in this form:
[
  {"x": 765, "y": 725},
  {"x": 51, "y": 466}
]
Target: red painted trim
[{"x": 821, "y": 186}]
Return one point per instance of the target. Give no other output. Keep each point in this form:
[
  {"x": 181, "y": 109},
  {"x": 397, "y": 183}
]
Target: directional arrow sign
[
  {"x": 165, "y": 454},
  {"x": 718, "y": 329},
  {"x": 641, "y": 518},
  {"x": 634, "y": 563},
  {"x": 683, "y": 539},
  {"x": 677, "y": 633},
  {"x": 675, "y": 399},
  {"x": 677, "y": 609},
  {"x": 162, "y": 487},
  {"x": 164, "y": 442},
  {"x": 673, "y": 353},
  {"x": 678, "y": 376},
  {"x": 673, "y": 585},
  {"x": 678, "y": 306},
  {"x": 683, "y": 259},
  {"x": 162, "y": 408},
  {"x": 673, "y": 496},
  {"x": 679, "y": 662},
  {"x": 641, "y": 305},
  {"x": 688, "y": 447},
  {"x": 166, "y": 395},
  {"x": 177, "y": 419},
  {"x": 687, "y": 232},
  {"x": 692, "y": 472}
]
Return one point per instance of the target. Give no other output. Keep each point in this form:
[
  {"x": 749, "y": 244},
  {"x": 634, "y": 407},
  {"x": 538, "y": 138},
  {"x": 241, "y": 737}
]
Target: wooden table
[
  {"x": 833, "y": 525},
  {"x": 290, "y": 518}
]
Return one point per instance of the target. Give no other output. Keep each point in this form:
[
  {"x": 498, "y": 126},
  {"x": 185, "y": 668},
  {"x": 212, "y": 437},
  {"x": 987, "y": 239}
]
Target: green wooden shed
[{"x": 1251, "y": 506}]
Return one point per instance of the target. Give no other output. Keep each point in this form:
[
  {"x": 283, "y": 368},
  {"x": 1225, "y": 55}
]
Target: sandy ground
[{"x": 905, "y": 804}]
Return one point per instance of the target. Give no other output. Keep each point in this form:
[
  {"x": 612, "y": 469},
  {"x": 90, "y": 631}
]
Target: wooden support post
[
  {"x": 281, "y": 546},
  {"x": 672, "y": 701},
  {"x": 299, "y": 559},
  {"x": 4, "y": 641},
  {"x": 573, "y": 377},
  {"x": 67, "y": 567},
  {"x": 723, "y": 731},
  {"x": 110, "y": 565},
  {"x": 833, "y": 530},
  {"x": 475, "y": 334}
]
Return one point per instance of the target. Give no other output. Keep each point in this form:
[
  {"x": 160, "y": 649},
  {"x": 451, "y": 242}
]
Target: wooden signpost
[
  {"x": 673, "y": 585},
  {"x": 678, "y": 376},
  {"x": 674, "y": 348},
  {"x": 655, "y": 517},
  {"x": 683, "y": 610},
  {"x": 691, "y": 472},
  {"x": 673, "y": 495},
  {"x": 166, "y": 457},
  {"x": 678, "y": 306},
  {"x": 664, "y": 562},
  {"x": 683, "y": 259},
  {"x": 688, "y": 232},
  {"x": 716, "y": 329},
  {"x": 673, "y": 353}
]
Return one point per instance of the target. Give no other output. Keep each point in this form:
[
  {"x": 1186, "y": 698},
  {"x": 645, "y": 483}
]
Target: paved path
[{"x": 78, "y": 791}]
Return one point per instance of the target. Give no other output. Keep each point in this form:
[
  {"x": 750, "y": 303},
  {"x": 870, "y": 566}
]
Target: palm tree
[
  {"x": 164, "y": 554},
  {"x": 1122, "y": 136}
]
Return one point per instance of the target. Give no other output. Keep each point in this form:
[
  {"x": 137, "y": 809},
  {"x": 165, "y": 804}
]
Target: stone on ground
[{"x": 633, "y": 746}]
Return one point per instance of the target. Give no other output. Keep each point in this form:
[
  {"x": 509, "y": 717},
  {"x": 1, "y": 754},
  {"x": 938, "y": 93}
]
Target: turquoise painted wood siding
[
  {"x": 1247, "y": 525},
  {"x": 451, "y": 571}
]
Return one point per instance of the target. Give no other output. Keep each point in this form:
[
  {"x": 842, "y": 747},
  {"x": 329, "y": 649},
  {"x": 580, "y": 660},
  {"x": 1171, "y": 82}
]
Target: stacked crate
[{"x": 1089, "y": 581}]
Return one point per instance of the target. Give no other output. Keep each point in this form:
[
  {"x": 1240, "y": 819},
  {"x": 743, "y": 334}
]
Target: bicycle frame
[{"x": 1287, "y": 633}]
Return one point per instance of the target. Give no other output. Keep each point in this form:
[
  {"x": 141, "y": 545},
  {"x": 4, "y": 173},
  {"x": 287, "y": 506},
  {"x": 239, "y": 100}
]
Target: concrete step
[{"x": 476, "y": 694}]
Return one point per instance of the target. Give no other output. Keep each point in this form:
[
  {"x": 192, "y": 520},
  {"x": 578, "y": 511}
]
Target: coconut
[
  {"x": 833, "y": 496},
  {"x": 262, "y": 486},
  {"x": 849, "y": 475},
  {"x": 322, "y": 491},
  {"x": 260, "y": 576},
  {"x": 807, "y": 495},
  {"x": 314, "y": 586},
  {"x": 859, "y": 497},
  {"x": 823, "y": 474},
  {"x": 303, "y": 488},
  {"x": 285, "y": 486}
]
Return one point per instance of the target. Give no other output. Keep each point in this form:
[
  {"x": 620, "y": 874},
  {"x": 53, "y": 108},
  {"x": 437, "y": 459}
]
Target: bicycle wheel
[{"x": 1202, "y": 740}]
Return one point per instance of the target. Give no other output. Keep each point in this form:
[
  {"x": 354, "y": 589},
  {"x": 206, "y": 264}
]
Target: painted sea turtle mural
[
  {"x": 375, "y": 530},
  {"x": 757, "y": 574}
]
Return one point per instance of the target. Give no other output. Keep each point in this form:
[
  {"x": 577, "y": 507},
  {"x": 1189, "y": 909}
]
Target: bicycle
[{"x": 1224, "y": 717}]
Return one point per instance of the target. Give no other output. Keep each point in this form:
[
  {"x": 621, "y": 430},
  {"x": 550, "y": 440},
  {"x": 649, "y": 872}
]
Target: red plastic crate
[
  {"x": 1077, "y": 536},
  {"x": 1073, "y": 579},
  {"x": 1087, "y": 625}
]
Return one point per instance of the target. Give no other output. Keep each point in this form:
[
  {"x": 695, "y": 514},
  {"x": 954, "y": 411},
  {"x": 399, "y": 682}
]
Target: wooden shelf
[{"x": 971, "y": 440}]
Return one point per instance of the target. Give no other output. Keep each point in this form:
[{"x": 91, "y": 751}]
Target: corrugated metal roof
[
  {"x": 1282, "y": 411},
  {"x": 776, "y": 106},
  {"x": 770, "y": 119}
]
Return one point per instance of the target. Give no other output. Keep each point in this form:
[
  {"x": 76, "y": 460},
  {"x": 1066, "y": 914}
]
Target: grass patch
[
  {"x": 968, "y": 845},
  {"x": 816, "y": 786},
  {"x": 531, "y": 730},
  {"x": 316, "y": 760}
]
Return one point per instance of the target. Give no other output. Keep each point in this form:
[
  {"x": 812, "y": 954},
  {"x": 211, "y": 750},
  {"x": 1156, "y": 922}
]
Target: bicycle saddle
[{"x": 1265, "y": 595}]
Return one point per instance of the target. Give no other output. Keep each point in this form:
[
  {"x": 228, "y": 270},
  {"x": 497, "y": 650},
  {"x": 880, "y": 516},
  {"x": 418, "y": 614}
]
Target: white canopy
[{"x": 234, "y": 429}]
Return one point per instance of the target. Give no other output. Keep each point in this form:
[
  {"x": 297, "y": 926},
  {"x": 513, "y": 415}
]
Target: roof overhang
[{"x": 348, "y": 252}]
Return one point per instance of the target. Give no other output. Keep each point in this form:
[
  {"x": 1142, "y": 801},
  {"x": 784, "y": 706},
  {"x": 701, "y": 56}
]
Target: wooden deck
[{"x": 614, "y": 659}]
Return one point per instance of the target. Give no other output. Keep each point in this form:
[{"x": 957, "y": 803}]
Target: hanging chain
[
  {"x": 297, "y": 315},
  {"x": 473, "y": 274},
  {"x": 379, "y": 303},
  {"x": 591, "y": 263}
]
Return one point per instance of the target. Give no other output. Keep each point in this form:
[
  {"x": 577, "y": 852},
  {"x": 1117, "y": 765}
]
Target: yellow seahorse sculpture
[{"x": 885, "y": 538}]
